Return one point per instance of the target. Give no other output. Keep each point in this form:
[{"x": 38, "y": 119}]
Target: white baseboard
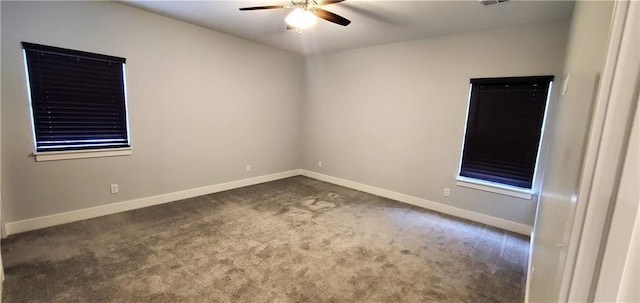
[
  {"x": 439, "y": 207},
  {"x": 98, "y": 211}
]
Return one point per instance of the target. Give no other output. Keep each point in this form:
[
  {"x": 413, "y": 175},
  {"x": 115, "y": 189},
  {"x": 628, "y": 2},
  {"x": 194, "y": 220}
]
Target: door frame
[{"x": 604, "y": 157}]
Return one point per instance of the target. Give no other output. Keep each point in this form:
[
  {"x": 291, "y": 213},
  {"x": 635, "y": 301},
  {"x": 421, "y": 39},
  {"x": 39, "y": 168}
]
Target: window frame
[
  {"x": 496, "y": 187},
  {"x": 76, "y": 153}
]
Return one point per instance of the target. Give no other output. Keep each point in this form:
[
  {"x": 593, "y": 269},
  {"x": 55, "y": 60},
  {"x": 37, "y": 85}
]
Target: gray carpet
[{"x": 292, "y": 240}]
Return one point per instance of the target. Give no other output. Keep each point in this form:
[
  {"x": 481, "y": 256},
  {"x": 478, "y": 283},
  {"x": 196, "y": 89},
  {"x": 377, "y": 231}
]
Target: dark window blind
[
  {"x": 503, "y": 129},
  {"x": 77, "y": 99}
]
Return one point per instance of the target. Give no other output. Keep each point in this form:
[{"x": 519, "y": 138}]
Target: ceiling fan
[{"x": 305, "y": 13}]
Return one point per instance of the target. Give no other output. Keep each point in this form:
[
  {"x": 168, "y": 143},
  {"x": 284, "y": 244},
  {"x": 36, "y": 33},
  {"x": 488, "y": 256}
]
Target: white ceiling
[{"x": 373, "y": 22}]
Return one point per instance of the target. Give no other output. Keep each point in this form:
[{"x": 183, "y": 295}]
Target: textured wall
[
  {"x": 202, "y": 105},
  {"x": 393, "y": 116}
]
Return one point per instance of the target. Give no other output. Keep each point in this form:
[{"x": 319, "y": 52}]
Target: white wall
[
  {"x": 202, "y": 105},
  {"x": 567, "y": 140},
  {"x": 393, "y": 116}
]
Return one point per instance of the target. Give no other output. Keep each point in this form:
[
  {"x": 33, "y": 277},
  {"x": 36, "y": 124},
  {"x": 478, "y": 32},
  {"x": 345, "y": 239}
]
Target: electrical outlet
[
  {"x": 447, "y": 192},
  {"x": 114, "y": 188},
  {"x": 248, "y": 168},
  {"x": 319, "y": 163}
]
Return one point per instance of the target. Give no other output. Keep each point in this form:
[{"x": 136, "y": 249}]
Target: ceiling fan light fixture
[{"x": 300, "y": 18}]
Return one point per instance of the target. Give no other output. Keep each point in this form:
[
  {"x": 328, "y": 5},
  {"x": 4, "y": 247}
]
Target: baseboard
[
  {"x": 98, "y": 211},
  {"x": 439, "y": 207}
]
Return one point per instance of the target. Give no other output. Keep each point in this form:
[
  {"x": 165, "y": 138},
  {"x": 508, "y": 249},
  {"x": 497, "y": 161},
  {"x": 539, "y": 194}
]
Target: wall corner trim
[
  {"x": 423, "y": 203},
  {"x": 103, "y": 210}
]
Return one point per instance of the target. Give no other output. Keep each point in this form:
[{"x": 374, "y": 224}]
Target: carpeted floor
[{"x": 292, "y": 240}]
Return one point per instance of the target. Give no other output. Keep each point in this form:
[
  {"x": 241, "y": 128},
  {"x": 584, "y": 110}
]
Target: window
[
  {"x": 504, "y": 128},
  {"x": 77, "y": 99}
]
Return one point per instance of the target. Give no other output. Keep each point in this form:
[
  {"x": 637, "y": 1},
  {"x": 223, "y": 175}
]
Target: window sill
[
  {"x": 81, "y": 154},
  {"x": 495, "y": 188}
]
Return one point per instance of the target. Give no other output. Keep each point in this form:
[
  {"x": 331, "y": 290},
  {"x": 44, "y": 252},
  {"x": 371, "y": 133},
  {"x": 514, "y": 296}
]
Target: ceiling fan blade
[
  {"x": 253, "y": 8},
  {"x": 290, "y": 27},
  {"x": 325, "y": 2},
  {"x": 329, "y": 16}
]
